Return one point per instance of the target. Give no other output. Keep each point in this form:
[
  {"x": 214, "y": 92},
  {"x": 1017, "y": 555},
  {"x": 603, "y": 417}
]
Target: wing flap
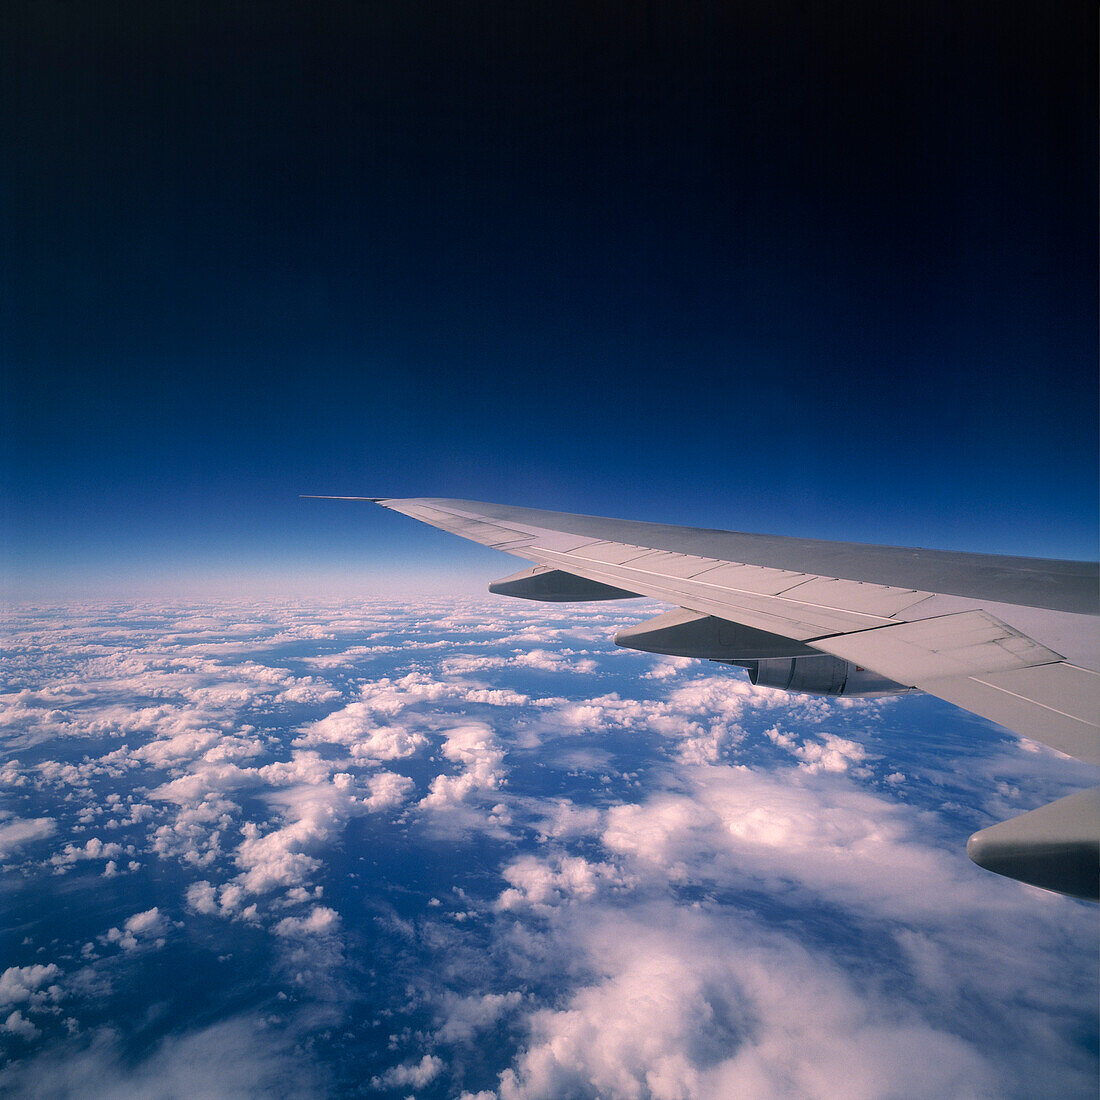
[
  {"x": 1025, "y": 714},
  {"x": 967, "y": 643},
  {"x": 977, "y": 662}
]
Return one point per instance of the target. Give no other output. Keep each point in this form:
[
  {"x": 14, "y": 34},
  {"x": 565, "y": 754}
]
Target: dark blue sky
[{"x": 822, "y": 270}]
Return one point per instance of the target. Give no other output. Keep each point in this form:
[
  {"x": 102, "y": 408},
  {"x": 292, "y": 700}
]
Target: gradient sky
[{"x": 824, "y": 271}]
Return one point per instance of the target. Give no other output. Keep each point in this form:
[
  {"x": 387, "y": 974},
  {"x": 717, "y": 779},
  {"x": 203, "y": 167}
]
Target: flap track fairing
[
  {"x": 684, "y": 633},
  {"x": 556, "y": 586}
]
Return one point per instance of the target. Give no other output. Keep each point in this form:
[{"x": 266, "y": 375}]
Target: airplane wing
[{"x": 1014, "y": 640}]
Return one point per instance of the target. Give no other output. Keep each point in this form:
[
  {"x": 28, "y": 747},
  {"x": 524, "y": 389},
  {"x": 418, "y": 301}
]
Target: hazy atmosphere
[{"x": 291, "y": 806}]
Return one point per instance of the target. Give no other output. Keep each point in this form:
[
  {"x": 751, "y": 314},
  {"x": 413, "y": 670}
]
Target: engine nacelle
[
  {"x": 821, "y": 675},
  {"x": 772, "y": 660},
  {"x": 1056, "y": 847}
]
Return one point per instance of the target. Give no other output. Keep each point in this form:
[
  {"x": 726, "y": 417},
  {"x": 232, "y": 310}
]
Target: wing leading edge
[{"x": 1014, "y": 640}]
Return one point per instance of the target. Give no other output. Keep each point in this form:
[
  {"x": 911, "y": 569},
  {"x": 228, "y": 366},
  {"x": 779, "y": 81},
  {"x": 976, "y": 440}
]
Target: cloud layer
[{"x": 476, "y": 849}]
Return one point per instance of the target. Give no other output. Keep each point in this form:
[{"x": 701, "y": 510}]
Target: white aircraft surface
[{"x": 1015, "y": 640}]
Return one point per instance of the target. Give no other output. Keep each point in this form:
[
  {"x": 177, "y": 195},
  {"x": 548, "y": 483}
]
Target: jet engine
[
  {"x": 772, "y": 660},
  {"x": 821, "y": 675}
]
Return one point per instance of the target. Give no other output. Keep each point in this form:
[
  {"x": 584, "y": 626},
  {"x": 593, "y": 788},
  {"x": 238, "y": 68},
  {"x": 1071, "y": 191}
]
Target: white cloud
[
  {"x": 564, "y": 819},
  {"x": 417, "y": 1074},
  {"x": 32, "y": 985},
  {"x": 734, "y": 824},
  {"x": 313, "y": 810},
  {"x": 664, "y": 668},
  {"x": 357, "y": 728},
  {"x": 281, "y": 856},
  {"x": 244, "y": 1058},
  {"x": 142, "y": 930},
  {"x": 321, "y": 920},
  {"x": 463, "y": 1017},
  {"x": 544, "y": 660},
  {"x": 756, "y": 929},
  {"x": 388, "y": 790},
  {"x": 18, "y": 1024},
  {"x": 391, "y": 696},
  {"x": 473, "y": 746},
  {"x": 14, "y": 834},
  {"x": 92, "y": 849},
  {"x": 825, "y": 753},
  {"x": 202, "y": 898},
  {"x": 692, "y": 1004},
  {"x": 539, "y": 882}
]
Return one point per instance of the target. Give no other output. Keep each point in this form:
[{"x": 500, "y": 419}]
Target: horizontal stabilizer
[
  {"x": 1056, "y": 846},
  {"x": 556, "y": 586}
]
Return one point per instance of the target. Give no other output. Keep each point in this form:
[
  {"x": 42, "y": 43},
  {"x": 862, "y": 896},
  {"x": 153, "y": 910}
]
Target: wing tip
[{"x": 324, "y": 496}]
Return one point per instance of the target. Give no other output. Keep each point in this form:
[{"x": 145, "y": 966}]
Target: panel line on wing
[
  {"x": 845, "y": 618},
  {"x": 765, "y": 612},
  {"x": 1034, "y": 702}
]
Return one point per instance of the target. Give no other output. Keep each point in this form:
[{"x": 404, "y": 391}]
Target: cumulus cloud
[
  {"x": 202, "y": 897},
  {"x": 664, "y": 668},
  {"x": 544, "y": 660},
  {"x": 824, "y": 753},
  {"x": 312, "y": 813},
  {"x": 702, "y": 719},
  {"x": 18, "y": 832},
  {"x": 319, "y": 921},
  {"x": 281, "y": 857},
  {"x": 18, "y": 1024},
  {"x": 474, "y": 747},
  {"x": 142, "y": 930},
  {"x": 537, "y": 883},
  {"x": 564, "y": 819},
  {"x": 210, "y": 770},
  {"x": 30, "y": 985},
  {"x": 737, "y": 824},
  {"x": 357, "y": 728},
  {"x": 416, "y": 1074},
  {"x": 392, "y": 695},
  {"x": 91, "y": 849},
  {"x": 387, "y": 791},
  {"x": 689, "y": 1005}
]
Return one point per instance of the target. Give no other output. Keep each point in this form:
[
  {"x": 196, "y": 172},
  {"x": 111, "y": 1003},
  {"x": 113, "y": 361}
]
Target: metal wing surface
[{"x": 1014, "y": 640}]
